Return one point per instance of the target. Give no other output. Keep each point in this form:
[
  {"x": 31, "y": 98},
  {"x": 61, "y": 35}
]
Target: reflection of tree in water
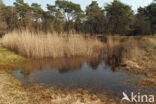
[
  {"x": 94, "y": 63},
  {"x": 71, "y": 64},
  {"x": 114, "y": 57},
  {"x": 63, "y": 65}
]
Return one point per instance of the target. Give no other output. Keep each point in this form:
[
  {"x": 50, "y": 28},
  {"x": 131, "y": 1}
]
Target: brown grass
[
  {"x": 125, "y": 51},
  {"x": 51, "y": 45}
]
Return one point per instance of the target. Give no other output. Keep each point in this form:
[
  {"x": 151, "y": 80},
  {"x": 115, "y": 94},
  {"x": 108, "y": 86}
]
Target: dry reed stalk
[{"x": 51, "y": 45}]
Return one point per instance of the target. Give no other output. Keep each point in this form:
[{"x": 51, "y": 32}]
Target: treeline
[{"x": 66, "y": 16}]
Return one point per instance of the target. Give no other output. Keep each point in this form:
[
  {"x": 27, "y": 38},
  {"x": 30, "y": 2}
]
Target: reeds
[{"x": 51, "y": 45}]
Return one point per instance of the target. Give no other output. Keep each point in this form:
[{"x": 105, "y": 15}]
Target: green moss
[{"x": 8, "y": 58}]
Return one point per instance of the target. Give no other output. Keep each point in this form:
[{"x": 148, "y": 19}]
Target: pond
[{"x": 78, "y": 72}]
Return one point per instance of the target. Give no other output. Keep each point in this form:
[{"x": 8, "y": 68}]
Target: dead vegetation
[
  {"x": 134, "y": 54},
  {"x": 51, "y": 45}
]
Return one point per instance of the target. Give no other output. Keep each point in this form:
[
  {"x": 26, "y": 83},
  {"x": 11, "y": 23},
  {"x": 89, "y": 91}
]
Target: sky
[{"x": 133, "y": 3}]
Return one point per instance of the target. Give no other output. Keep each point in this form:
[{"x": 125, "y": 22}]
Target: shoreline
[{"x": 12, "y": 90}]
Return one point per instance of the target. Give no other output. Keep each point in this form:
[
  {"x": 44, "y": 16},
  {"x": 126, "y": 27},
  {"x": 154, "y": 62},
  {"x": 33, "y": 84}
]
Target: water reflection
[
  {"x": 63, "y": 65},
  {"x": 77, "y": 72}
]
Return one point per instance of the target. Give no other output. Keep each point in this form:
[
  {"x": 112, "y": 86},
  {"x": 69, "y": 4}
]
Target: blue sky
[{"x": 133, "y": 3}]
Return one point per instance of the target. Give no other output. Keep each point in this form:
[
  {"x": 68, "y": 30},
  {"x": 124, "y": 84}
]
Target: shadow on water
[{"x": 78, "y": 72}]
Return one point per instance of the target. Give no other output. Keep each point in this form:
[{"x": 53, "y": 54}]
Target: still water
[{"x": 92, "y": 74}]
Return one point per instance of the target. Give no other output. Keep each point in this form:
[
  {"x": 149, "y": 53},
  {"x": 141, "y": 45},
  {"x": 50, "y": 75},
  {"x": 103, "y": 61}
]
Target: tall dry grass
[
  {"x": 121, "y": 50},
  {"x": 51, "y": 45}
]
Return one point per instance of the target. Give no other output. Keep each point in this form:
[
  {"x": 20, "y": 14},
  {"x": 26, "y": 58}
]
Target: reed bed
[{"x": 51, "y": 45}]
